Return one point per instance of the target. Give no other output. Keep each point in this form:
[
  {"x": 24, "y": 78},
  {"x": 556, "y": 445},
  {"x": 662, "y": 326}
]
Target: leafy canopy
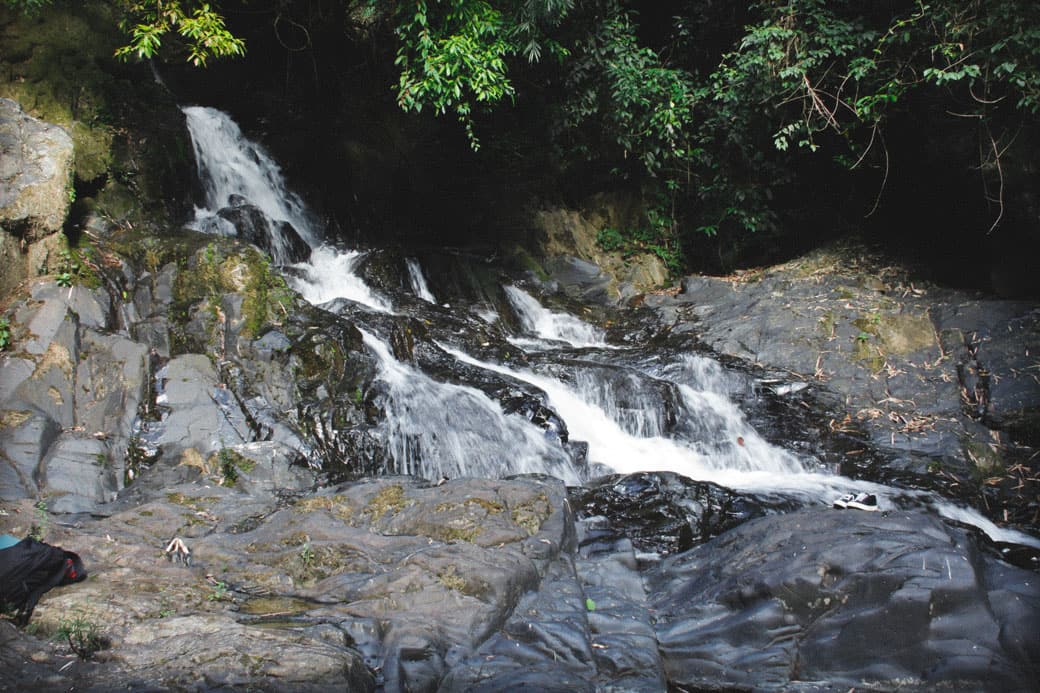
[
  {"x": 715, "y": 107},
  {"x": 199, "y": 27}
]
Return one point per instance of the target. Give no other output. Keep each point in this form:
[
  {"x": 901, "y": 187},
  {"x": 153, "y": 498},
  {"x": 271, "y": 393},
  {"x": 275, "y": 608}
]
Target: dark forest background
[{"x": 747, "y": 132}]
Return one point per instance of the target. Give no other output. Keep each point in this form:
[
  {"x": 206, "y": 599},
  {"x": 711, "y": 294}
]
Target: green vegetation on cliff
[{"x": 730, "y": 117}]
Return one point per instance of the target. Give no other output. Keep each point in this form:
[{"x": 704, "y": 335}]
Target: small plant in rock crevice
[
  {"x": 5, "y": 334},
  {"x": 83, "y": 636},
  {"x": 41, "y": 521}
]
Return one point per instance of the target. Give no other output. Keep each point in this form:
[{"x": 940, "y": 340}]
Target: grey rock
[
  {"x": 51, "y": 386},
  {"x": 201, "y": 412},
  {"x": 35, "y": 169},
  {"x": 273, "y": 469},
  {"x": 155, "y": 332},
  {"x": 43, "y": 321},
  {"x": 225, "y": 654},
  {"x": 80, "y": 466},
  {"x": 114, "y": 373},
  {"x": 842, "y": 600},
  {"x": 13, "y": 372},
  {"x": 915, "y": 367},
  {"x": 90, "y": 306},
  {"x": 36, "y": 161},
  {"x": 25, "y": 437},
  {"x": 580, "y": 279}
]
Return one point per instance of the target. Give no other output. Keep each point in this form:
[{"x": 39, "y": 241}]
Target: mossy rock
[
  {"x": 905, "y": 334},
  {"x": 52, "y": 63},
  {"x": 58, "y": 65}
]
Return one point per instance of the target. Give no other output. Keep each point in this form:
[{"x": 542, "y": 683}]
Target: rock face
[
  {"x": 935, "y": 379},
  {"x": 278, "y": 238},
  {"x": 831, "y": 600},
  {"x": 35, "y": 176},
  {"x": 496, "y": 585},
  {"x": 69, "y": 399},
  {"x": 569, "y": 241}
]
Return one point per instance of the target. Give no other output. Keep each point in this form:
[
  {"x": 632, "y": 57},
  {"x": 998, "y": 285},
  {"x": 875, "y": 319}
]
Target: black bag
[{"x": 30, "y": 568}]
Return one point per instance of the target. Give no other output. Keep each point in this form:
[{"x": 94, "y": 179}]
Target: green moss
[
  {"x": 338, "y": 505},
  {"x": 192, "y": 502},
  {"x": 449, "y": 534},
  {"x": 267, "y": 298},
  {"x": 828, "y": 324},
  {"x": 229, "y": 463},
  {"x": 492, "y": 507},
  {"x": 389, "y": 499},
  {"x": 905, "y": 333},
  {"x": 451, "y": 580},
  {"x": 868, "y": 324},
  {"x": 866, "y": 352},
  {"x": 987, "y": 459},
  {"x": 314, "y": 563},
  {"x": 531, "y": 514},
  {"x": 524, "y": 260}
]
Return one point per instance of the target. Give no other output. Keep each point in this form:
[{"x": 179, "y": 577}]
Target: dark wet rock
[
  {"x": 661, "y": 513},
  {"x": 932, "y": 382},
  {"x": 579, "y": 279},
  {"x": 278, "y": 238},
  {"x": 994, "y": 345},
  {"x": 546, "y": 645},
  {"x": 841, "y": 600}
]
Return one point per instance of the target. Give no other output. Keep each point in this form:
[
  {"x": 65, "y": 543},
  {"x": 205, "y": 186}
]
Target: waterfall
[
  {"x": 418, "y": 281},
  {"x": 235, "y": 170},
  {"x": 330, "y": 274},
  {"x": 677, "y": 416},
  {"x": 591, "y": 418},
  {"x": 550, "y": 326},
  {"x": 436, "y": 429}
]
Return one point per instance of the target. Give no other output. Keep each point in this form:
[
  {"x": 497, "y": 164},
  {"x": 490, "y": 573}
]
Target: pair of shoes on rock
[{"x": 858, "y": 501}]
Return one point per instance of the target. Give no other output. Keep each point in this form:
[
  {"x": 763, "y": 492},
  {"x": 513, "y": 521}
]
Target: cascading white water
[
  {"x": 434, "y": 429},
  {"x": 231, "y": 164},
  {"x": 418, "y": 281},
  {"x": 437, "y": 429},
  {"x": 329, "y": 274},
  {"x": 550, "y": 326},
  {"x": 752, "y": 464}
]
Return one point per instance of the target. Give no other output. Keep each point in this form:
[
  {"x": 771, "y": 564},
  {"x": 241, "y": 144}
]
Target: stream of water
[{"x": 634, "y": 415}]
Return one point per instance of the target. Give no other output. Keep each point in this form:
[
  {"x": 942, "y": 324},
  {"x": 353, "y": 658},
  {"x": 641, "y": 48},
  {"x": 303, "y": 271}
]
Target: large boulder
[
  {"x": 69, "y": 399},
  {"x": 36, "y": 161},
  {"x": 301, "y": 593},
  {"x": 842, "y": 600},
  {"x": 933, "y": 379},
  {"x": 569, "y": 238},
  {"x": 273, "y": 236}
]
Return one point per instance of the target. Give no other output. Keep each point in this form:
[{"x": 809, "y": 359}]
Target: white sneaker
[
  {"x": 843, "y": 502},
  {"x": 864, "y": 501}
]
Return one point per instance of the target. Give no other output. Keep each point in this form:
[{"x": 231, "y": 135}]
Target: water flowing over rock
[
  {"x": 501, "y": 489},
  {"x": 278, "y": 238}
]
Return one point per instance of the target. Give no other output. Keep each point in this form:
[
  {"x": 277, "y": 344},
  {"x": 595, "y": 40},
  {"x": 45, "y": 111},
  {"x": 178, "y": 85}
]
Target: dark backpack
[{"x": 30, "y": 568}]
